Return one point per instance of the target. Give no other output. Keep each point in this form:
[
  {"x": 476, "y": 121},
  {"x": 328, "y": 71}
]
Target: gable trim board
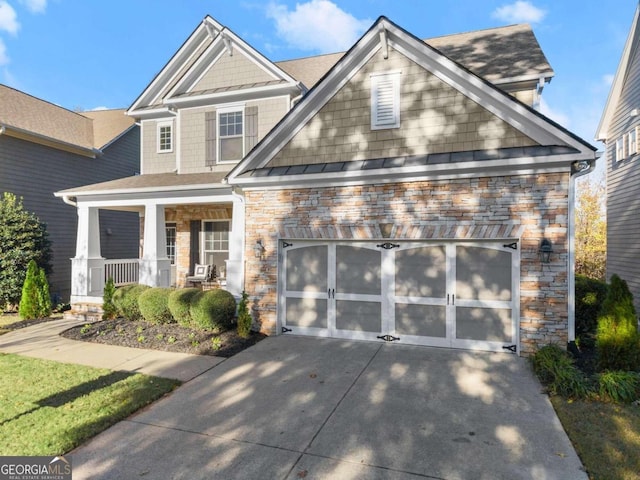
[
  {"x": 503, "y": 106},
  {"x": 51, "y": 142}
]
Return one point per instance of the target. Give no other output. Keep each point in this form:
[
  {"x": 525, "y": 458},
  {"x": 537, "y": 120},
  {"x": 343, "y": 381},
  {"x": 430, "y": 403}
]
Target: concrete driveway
[{"x": 295, "y": 407}]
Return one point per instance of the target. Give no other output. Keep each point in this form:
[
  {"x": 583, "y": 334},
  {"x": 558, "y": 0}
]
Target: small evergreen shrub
[
  {"x": 589, "y": 296},
  {"x": 154, "y": 305},
  {"x": 555, "y": 369},
  {"x": 35, "y": 301},
  {"x": 618, "y": 386},
  {"x": 213, "y": 310},
  {"x": 244, "y": 317},
  {"x": 126, "y": 301},
  {"x": 179, "y": 303},
  {"x": 109, "y": 310},
  {"x": 617, "y": 338}
]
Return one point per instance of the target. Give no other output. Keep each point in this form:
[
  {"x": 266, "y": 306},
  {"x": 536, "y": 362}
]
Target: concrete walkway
[{"x": 43, "y": 341}]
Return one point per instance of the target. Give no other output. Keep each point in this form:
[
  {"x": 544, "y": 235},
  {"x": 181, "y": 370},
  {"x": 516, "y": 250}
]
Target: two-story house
[
  {"x": 45, "y": 148},
  {"x": 405, "y": 190}
]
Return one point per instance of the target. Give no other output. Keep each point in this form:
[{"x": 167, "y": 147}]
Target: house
[
  {"x": 45, "y": 148},
  {"x": 619, "y": 129},
  {"x": 402, "y": 191}
]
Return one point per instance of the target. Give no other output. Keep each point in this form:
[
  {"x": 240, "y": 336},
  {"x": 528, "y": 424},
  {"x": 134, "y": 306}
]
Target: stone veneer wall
[{"x": 525, "y": 207}]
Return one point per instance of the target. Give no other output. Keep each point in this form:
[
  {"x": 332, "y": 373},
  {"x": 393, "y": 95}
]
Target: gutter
[
  {"x": 67, "y": 199},
  {"x": 51, "y": 142}
]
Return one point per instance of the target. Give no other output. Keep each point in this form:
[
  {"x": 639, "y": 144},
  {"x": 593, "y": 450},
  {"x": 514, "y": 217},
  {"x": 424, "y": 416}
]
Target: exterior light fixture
[
  {"x": 545, "y": 250},
  {"x": 258, "y": 249}
]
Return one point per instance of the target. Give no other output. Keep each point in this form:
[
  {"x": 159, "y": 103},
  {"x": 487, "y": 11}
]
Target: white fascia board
[
  {"x": 524, "y": 78},
  {"x": 153, "y": 114},
  {"x": 139, "y": 202},
  {"x": 310, "y": 105},
  {"x": 247, "y": 94},
  {"x": 497, "y": 102},
  {"x": 479, "y": 168},
  {"x": 167, "y": 191},
  {"x": 169, "y": 71},
  {"x": 602, "y": 133}
]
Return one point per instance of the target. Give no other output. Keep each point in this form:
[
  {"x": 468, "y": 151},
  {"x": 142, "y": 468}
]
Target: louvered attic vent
[{"x": 385, "y": 100}]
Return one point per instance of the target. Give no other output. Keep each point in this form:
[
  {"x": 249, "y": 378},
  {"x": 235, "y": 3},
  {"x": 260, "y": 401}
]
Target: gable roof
[
  {"x": 31, "y": 118},
  {"x": 174, "y": 84},
  {"x": 628, "y": 53},
  {"x": 542, "y": 130},
  {"x": 500, "y": 55}
]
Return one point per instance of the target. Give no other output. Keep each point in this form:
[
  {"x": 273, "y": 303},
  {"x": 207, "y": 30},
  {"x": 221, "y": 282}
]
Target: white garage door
[{"x": 460, "y": 295}]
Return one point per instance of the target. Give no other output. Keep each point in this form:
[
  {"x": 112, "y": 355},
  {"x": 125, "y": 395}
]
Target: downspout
[
  {"x": 67, "y": 199},
  {"x": 578, "y": 169}
]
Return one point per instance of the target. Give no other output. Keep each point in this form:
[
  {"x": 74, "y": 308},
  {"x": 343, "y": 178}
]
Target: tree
[
  {"x": 35, "y": 301},
  {"x": 591, "y": 230},
  {"x": 23, "y": 237}
]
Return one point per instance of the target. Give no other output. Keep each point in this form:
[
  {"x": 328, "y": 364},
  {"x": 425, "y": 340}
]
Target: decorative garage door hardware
[
  {"x": 285, "y": 330},
  {"x": 388, "y": 245},
  {"x": 286, "y": 244},
  {"x": 511, "y": 348},
  {"x": 388, "y": 338},
  {"x": 513, "y": 246}
]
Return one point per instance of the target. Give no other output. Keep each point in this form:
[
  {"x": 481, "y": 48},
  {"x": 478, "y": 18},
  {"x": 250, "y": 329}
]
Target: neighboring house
[
  {"x": 406, "y": 195},
  {"x": 619, "y": 129},
  {"x": 45, "y": 148}
]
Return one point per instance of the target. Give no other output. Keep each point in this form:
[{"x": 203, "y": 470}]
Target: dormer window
[
  {"x": 385, "y": 100},
  {"x": 165, "y": 137}
]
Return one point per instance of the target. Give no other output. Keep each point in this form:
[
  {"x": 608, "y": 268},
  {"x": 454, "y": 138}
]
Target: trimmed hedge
[
  {"x": 179, "y": 304},
  {"x": 590, "y": 294},
  {"x": 154, "y": 305},
  {"x": 126, "y": 301},
  {"x": 244, "y": 317},
  {"x": 213, "y": 310}
]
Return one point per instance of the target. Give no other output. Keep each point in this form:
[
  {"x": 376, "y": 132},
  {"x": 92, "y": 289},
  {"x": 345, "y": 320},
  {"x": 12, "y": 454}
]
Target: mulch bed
[{"x": 166, "y": 337}]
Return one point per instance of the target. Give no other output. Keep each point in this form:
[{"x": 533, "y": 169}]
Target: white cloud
[
  {"x": 97, "y": 109},
  {"x": 608, "y": 79},
  {"x": 555, "y": 115},
  {"x": 35, "y": 6},
  {"x": 519, "y": 12},
  {"x": 318, "y": 25},
  {"x": 4, "y": 58},
  {"x": 8, "y": 18}
]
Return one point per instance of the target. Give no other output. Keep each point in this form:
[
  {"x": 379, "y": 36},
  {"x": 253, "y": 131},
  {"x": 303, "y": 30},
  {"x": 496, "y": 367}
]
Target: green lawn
[
  {"x": 605, "y": 435},
  {"x": 48, "y": 408}
]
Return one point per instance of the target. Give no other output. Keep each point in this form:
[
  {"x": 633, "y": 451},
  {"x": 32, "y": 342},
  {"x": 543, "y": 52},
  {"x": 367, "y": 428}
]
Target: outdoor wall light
[
  {"x": 545, "y": 250},
  {"x": 258, "y": 249}
]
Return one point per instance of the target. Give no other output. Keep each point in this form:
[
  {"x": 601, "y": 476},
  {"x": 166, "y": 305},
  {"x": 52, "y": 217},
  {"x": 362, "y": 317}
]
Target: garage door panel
[
  {"x": 483, "y": 273},
  {"x": 484, "y": 324},
  {"x": 421, "y": 320},
  {"x": 358, "y": 270},
  {"x": 358, "y": 316},
  {"x": 307, "y": 312},
  {"x": 421, "y": 272},
  {"x": 306, "y": 269}
]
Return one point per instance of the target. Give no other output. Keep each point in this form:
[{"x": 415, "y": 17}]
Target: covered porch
[{"x": 184, "y": 220}]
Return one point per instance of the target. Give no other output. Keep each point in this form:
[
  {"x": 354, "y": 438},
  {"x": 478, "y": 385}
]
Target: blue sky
[{"x": 85, "y": 54}]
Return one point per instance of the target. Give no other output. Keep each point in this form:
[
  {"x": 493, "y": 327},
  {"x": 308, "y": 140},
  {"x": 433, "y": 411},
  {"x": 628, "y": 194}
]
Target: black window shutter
[
  {"x": 251, "y": 128},
  {"x": 195, "y": 244},
  {"x": 210, "y": 138}
]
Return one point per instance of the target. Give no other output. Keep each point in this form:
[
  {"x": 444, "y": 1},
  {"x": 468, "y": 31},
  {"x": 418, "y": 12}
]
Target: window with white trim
[
  {"x": 632, "y": 141},
  {"x": 385, "y": 100},
  {"x": 170, "y": 229},
  {"x": 230, "y": 137},
  {"x": 620, "y": 149},
  {"x": 165, "y": 137},
  {"x": 215, "y": 244}
]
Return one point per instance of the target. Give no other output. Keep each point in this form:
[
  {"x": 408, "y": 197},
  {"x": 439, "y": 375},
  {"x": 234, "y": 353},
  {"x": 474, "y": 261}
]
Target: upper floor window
[
  {"x": 619, "y": 149},
  {"x": 632, "y": 141},
  {"x": 230, "y": 136},
  {"x": 165, "y": 137},
  {"x": 385, "y": 100},
  {"x": 230, "y": 133}
]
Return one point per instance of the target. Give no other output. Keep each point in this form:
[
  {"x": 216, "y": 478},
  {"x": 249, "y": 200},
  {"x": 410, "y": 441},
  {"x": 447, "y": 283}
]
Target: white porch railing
[{"x": 123, "y": 271}]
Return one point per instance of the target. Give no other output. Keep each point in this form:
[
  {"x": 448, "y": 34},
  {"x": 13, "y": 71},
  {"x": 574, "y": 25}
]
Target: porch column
[
  {"x": 87, "y": 267},
  {"x": 235, "y": 264},
  {"x": 155, "y": 266}
]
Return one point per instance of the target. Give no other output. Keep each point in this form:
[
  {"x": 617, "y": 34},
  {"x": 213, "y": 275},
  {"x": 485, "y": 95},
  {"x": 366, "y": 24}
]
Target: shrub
[
  {"x": 126, "y": 301},
  {"x": 590, "y": 294},
  {"x": 109, "y": 310},
  {"x": 619, "y": 386},
  {"x": 555, "y": 369},
  {"x": 179, "y": 303},
  {"x": 154, "y": 305},
  {"x": 213, "y": 310},
  {"x": 35, "y": 301},
  {"x": 617, "y": 339},
  {"x": 244, "y": 317}
]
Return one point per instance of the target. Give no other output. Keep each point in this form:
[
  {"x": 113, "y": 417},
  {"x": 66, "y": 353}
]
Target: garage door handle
[
  {"x": 331, "y": 293},
  {"x": 447, "y": 299},
  {"x": 454, "y": 299}
]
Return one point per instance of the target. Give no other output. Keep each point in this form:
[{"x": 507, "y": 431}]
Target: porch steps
[{"x": 84, "y": 312}]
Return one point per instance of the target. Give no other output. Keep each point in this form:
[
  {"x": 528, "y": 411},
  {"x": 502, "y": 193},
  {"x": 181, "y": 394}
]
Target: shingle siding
[
  {"x": 154, "y": 162},
  {"x": 623, "y": 189},
  {"x": 34, "y": 172},
  {"x": 229, "y": 71}
]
